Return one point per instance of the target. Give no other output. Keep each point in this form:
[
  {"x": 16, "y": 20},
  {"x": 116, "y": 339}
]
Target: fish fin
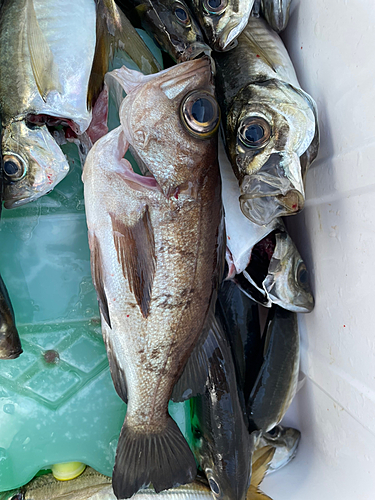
[
  {"x": 194, "y": 377},
  {"x": 135, "y": 247},
  {"x": 115, "y": 32},
  {"x": 254, "y": 493},
  {"x": 117, "y": 372},
  {"x": 97, "y": 278},
  {"x": 261, "y": 464},
  {"x": 45, "y": 70},
  {"x": 163, "y": 459}
]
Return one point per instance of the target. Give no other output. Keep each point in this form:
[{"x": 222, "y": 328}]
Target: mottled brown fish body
[{"x": 154, "y": 247}]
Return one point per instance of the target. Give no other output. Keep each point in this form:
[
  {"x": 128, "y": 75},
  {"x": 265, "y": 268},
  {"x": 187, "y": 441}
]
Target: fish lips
[
  {"x": 275, "y": 190},
  {"x": 44, "y": 163}
]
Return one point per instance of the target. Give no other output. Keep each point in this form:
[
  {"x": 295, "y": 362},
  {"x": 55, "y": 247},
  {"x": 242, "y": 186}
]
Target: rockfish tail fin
[{"x": 163, "y": 459}]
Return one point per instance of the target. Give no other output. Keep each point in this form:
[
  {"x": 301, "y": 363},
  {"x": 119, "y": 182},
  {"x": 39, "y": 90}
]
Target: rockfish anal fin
[
  {"x": 163, "y": 459},
  {"x": 45, "y": 70},
  {"x": 135, "y": 246},
  {"x": 96, "y": 272}
]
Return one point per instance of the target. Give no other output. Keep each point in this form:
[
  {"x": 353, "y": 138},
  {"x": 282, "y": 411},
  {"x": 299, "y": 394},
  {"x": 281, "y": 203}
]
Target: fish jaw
[
  {"x": 275, "y": 190},
  {"x": 45, "y": 165}
]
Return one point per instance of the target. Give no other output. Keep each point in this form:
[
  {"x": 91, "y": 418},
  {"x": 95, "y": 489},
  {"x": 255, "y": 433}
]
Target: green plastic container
[{"x": 57, "y": 400}]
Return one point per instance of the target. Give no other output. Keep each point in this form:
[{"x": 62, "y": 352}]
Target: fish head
[
  {"x": 171, "y": 121},
  {"x": 285, "y": 440},
  {"x": 33, "y": 163},
  {"x": 270, "y": 126},
  {"x": 176, "y": 30},
  {"x": 223, "y": 20},
  {"x": 287, "y": 282}
]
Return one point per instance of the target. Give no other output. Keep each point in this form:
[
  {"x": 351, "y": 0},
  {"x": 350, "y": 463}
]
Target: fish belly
[{"x": 70, "y": 31}]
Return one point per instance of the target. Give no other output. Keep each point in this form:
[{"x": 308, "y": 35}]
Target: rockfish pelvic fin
[
  {"x": 45, "y": 70},
  {"x": 97, "y": 278},
  {"x": 163, "y": 459},
  {"x": 135, "y": 246}
]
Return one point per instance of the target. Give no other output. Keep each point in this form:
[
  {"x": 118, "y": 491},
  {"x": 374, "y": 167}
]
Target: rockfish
[{"x": 156, "y": 256}]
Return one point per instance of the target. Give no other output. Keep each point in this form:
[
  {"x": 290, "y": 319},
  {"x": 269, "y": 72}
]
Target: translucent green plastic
[{"x": 57, "y": 400}]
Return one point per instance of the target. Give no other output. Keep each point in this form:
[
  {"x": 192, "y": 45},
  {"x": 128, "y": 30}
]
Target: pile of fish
[{"x": 187, "y": 254}]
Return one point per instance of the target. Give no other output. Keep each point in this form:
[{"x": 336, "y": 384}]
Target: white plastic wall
[{"x": 332, "y": 44}]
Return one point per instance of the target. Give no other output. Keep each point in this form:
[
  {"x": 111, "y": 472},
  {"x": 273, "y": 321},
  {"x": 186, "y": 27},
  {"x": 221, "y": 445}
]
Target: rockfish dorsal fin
[
  {"x": 97, "y": 276},
  {"x": 135, "y": 246},
  {"x": 113, "y": 32},
  {"x": 44, "y": 67}
]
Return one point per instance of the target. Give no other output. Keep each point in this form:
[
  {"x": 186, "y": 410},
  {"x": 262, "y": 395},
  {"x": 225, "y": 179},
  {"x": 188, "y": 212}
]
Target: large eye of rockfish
[
  {"x": 254, "y": 132},
  {"x": 200, "y": 113},
  {"x": 14, "y": 167},
  {"x": 215, "y": 6},
  {"x": 182, "y": 15}
]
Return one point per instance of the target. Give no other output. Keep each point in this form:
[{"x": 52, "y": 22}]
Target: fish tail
[{"x": 163, "y": 459}]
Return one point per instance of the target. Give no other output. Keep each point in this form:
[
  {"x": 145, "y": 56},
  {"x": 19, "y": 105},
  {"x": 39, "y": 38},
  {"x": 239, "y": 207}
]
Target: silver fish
[
  {"x": 221, "y": 441},
  {"x": 156, "y": 254},
  {"x": 263, "y": 260},
  {"x": 173, "y": 26},
  {"x": 45, "y": 81},
  {"x": 222, "y": 20},
  {"x": 277, "y": 380},
  {"x": 92, "y": 485},
  {"x": 270, "y": 123}
]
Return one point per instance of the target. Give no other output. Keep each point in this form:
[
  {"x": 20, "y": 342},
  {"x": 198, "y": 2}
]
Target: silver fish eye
[
  {"x": 215, "y": 7},
  {"x": 214, "y": 486},
  {"x": 303, "y": 276},
  {"x": 274, "y": 433},
  {"x": 14, "y": 166},
  {"x": 254, "y": 132},
  {"x": 19, "y": 496},
  {"x": 200, "y": 113},
  {"x": 182, "y": 15}
]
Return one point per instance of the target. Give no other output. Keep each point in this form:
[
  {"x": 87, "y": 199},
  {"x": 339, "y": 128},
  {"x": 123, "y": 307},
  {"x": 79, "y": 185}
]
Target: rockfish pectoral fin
[
  {"x": 97, "y": 276},
  {"x": 135, "y": 246},
  {"x": 44, "y": 67},
  {"x": 163, "y": 459}
]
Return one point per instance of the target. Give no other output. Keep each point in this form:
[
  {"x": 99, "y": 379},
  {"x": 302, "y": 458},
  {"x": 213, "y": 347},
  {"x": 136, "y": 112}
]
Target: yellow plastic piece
[{"x": 68, "y": 470}]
